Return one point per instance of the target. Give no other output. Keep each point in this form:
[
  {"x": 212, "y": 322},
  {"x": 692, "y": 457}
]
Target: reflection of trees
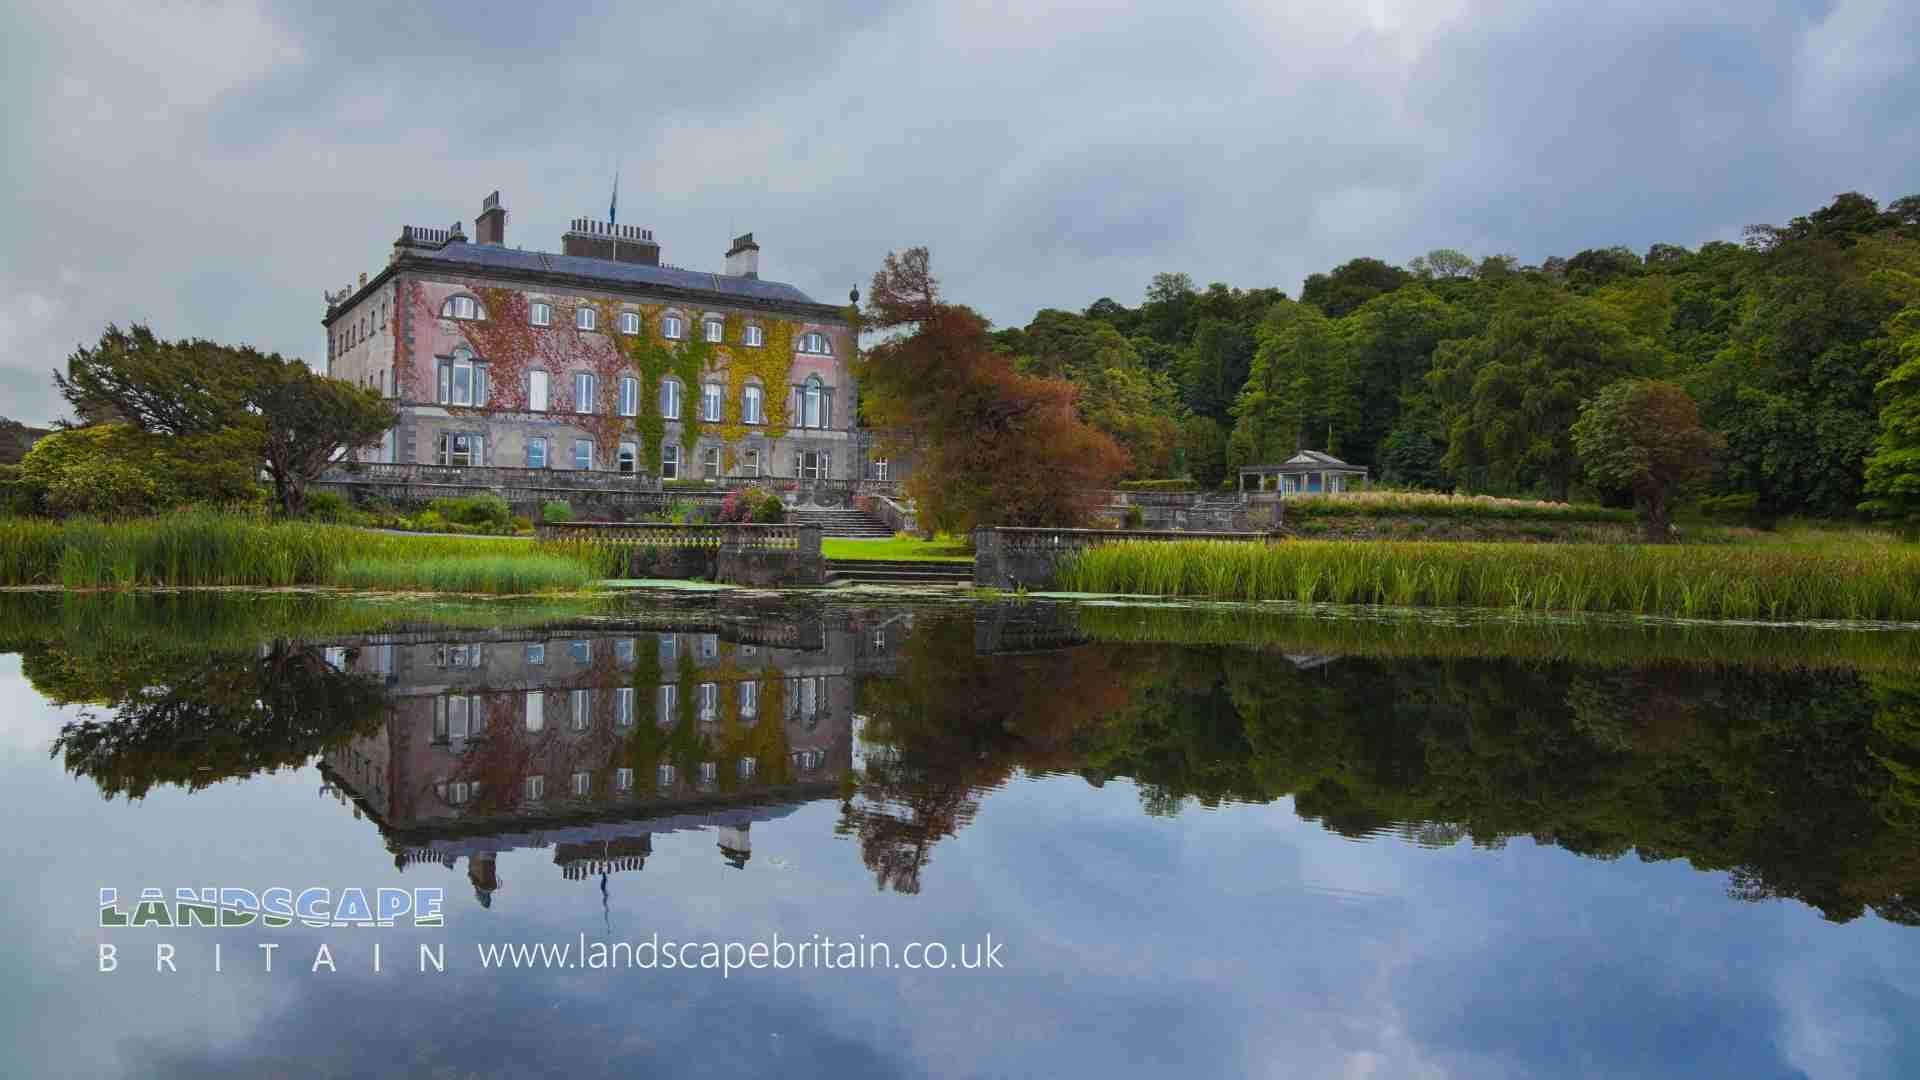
[
  {"x": 953, "y": 723},
  {"x": 197, "y": 719},
  {"x": 1800, "y": 785}
]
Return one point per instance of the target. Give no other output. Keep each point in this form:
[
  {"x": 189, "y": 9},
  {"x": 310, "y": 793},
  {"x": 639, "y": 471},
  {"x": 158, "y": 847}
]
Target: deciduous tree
[{"x": 1644, "y": 435}]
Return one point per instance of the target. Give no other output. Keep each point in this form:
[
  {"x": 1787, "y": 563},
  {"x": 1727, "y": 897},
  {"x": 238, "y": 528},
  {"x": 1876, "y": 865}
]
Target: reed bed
[
  {"x": 522, "y": 573},
  {"x": 1686, "y": 582},
  {"x": 205, "y": 548},
  {"x": 1439, "y": 504},
  {"x": 1586, "y": 639}
]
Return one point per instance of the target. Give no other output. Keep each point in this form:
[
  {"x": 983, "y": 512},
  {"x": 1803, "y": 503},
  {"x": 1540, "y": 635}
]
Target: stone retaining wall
[{"x": 1012, "y": 558}]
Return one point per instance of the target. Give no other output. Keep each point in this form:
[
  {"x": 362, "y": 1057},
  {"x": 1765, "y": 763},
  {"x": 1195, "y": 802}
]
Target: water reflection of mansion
[{"x": 594, "y": 743}]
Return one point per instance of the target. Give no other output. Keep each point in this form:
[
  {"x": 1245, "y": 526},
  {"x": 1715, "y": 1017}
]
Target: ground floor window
[
  {"x": 457, "y": 449},
  {"x": 583, "y": 453},
  {"x": 879, "y": 468},
  {"x": 750, "y": 464},
  {"x": 537, "y": 453},
  {"x": 810, "y": 464},
  {"x": 669, "y": 463},
  {"x": 710, "y": 463},
  {"x": 629, "y": 458}
]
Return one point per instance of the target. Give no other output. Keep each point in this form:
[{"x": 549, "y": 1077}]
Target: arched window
[
  {"x": 669, "y": 399},
  {"x": 716, "y": 330},
  {"x": 630, "y": 322},
  {"x": 584, "y": 391},
  {"x": 710, "y": 398},
  {"x": 813, "y": 403},
  {"x": 629, "y": 396},
  {"x": 672, "y": 327},
  {"x": 540, "y": 313},
  {"x": 460, "y": 307},
  {"x": 584, "y": 318},
  {"x": 750, "y": 408}
]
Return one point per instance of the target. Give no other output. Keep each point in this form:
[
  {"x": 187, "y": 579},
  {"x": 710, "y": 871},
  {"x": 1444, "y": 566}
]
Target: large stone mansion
[{"x": 599, "y": 359}]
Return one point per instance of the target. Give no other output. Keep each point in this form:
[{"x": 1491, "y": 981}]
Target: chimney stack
[
  {"x": 491, "y": 226},
  {"x": 743, "y": 258},
  {"x": 595, "y": 239}
]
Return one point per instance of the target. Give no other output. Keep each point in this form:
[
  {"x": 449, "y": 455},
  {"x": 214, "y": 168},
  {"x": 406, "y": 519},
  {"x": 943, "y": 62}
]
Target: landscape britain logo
[{"x": 278, "y": 906}]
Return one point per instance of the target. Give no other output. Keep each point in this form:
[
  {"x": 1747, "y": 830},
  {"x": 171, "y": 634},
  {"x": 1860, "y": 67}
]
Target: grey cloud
[{"x": 213, "y": 171}]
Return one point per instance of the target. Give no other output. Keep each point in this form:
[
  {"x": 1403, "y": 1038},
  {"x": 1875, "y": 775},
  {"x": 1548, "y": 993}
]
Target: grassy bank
[
  {"x": 1690, "y": 582},
  {"x": 1421, "y": 504},
  {"x": 204, "y": 548},
  {"x": 899, "y": 549}
]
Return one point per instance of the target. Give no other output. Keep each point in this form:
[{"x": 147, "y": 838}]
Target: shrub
[
  {"x": 1135, "y": 517},
  {"x": 428, "y": 519},
  {"x": 770, "y": 511},
  {"x": 483, "y": 509},
  {"x": 556, "y": 512},
  {"x": 1158, "y": 485},
  {"x": 522, "y": 523},
  {"x": 734, "y": 507},
  {"x": 330, "y": 506}
]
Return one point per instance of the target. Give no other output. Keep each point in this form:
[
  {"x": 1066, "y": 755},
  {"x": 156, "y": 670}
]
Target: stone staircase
[
  {"x": 847, "y": 522},
  {"x": 888, "y": 572}
]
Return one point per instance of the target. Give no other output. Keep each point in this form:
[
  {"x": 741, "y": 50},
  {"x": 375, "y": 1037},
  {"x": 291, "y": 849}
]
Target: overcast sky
[{"x": 211, "y": 168}]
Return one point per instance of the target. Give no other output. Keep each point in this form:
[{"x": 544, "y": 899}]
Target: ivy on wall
[{"x": 506, "y": 339}]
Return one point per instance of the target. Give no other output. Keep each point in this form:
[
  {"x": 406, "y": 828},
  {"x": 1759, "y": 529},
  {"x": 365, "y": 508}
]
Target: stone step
[{"x": 932, "y": 566}]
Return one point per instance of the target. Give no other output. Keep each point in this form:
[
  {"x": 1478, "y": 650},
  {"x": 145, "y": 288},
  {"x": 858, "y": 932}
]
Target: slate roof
[{"x": 492, "y": 257}]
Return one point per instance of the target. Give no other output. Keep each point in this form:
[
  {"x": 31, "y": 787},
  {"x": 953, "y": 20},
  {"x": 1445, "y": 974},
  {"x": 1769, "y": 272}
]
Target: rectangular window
[
  {"x": 457, "y": 449},
  {"x": 582, "y": 702},
  {"x": 756, "y": 336},
  {"x": 669, "y": 702},
  {"x": 710, "y": 463},
  {"x": 709, "y": 701},
  {"x": 536, "y": 652},
  {"x": 583, "y": 318},
  {"x": 629, "y": 458},
  {"x": 582, "y": 784},
  {"x": 629, "y": 396},
  {"x": 710, "y": 398},
  {"x": 749, "y": 700},
  {"x": 709, "y": 646},
  {"x": 540, "y": 314},
  {"x": 583, "y": 453},
  {"x": 750, "y": 405},
  {"x": 537, "y": 391},
  {"x": 669, "y": 400},
  {"x": 879, "y": 468},
  {"x": 463, "y": 382},
  {"x": 623, "y": 780},
  {"x": 583, "y": 391},
  {"x": 537, "y": 452},
  {"x": 813, "y": 465},
  {"x": 629, "y": 322},
  {"x": 623, "y": 650},
  {"x": 669, "y": 462},
  {"x": 670, "y": 327},
  {"x": 750, "y": 464},
  {"x": 536, "y": 788},
  {"x": 536, "y": 710},
  {"x": 715, "y": 330}
]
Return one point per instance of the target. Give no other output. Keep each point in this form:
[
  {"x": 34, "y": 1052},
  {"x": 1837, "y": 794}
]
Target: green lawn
[{"x": 899, "y": 549}]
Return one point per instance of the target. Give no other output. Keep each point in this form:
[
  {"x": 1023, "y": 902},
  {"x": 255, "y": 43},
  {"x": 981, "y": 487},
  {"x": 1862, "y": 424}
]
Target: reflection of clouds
[
  {"x": 28, "y": 723},
  {"x": 1836, "y": 1017}
]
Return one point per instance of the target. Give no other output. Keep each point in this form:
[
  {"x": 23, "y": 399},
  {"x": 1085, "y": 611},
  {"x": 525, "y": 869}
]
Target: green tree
[
  {"x": 1512, "y": 392},
  {"x": 1893, "y": 471},
  {"x": 1644, "y": 435},
  {"x": 1205, "y": 446},
  {"x": 1352, "y": 284},
  {"x": 183, "y": 392},
  {"x": 116, "y": 470}
]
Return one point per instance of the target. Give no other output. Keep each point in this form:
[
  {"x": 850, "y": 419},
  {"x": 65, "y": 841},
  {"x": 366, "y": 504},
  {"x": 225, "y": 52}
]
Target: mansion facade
[{"x": 599, "y": 359}]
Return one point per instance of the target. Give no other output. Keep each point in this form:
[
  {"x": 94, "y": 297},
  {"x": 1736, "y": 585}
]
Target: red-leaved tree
[{"x": 991, "y": 446}]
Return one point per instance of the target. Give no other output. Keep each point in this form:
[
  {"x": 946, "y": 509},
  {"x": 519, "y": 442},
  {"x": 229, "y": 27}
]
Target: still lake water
[{"x": 1355, "y": 848}]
